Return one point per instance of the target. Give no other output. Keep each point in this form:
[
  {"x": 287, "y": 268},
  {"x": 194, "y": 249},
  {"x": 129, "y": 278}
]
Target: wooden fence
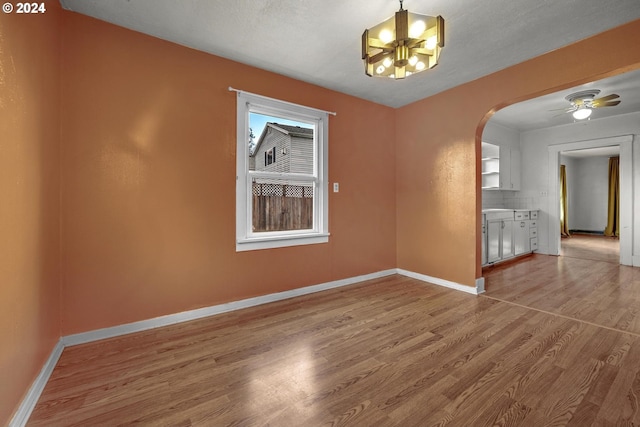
[{"x": 279, "y": 207}]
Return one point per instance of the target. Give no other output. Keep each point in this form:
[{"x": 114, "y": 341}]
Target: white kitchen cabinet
[
  {"x": 490, "y": 166},
  {"x": 484, "y": 239},
  {"x": 499, "y": 236},
  {"x": 507, "y": 239},
  {"x": 510, "y": 165},
  {"x": 521, "y": 239},
  {"x": 494, "y": 238},
  {"x": 500, "y": 167},
  {"x": 508, "y": 233}
]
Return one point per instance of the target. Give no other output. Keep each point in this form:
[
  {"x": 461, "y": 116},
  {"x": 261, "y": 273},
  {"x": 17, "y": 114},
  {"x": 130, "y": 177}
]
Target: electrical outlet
[{"x": 336, "y": 187}]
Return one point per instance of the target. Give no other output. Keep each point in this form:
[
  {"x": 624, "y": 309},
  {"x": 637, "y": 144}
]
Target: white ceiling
[
  {"x": 546, "y": 111},
  {"x": 319, "y": 41}
]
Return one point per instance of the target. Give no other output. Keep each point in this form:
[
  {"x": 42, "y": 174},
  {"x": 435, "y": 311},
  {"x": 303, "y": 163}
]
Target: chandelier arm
[
  {"x": 379, "y": 44},
  {"x": 378, "y": 57}
]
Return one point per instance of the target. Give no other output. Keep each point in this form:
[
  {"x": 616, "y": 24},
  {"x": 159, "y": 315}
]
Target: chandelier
[{"x": 404, "y": 44}]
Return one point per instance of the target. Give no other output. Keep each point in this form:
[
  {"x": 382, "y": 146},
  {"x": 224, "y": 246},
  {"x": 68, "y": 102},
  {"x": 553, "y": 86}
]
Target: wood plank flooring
[
  {"x": 593, "y": 290},
  {"x": 593, "y": 247},
  {"x": 388, "y": 352}
]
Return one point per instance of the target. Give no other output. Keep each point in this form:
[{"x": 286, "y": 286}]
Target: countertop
[{"x": 507, "y": 210}]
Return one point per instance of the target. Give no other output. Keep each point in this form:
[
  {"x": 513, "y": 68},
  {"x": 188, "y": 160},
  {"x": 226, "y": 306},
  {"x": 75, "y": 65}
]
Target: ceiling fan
[{"x": 583, "y": 102}]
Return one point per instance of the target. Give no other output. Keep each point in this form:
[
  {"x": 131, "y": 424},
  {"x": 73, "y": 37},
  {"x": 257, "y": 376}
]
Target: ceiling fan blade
[
  {"x": 605, "y": 104},
  {"x": 607, "y": 98}
]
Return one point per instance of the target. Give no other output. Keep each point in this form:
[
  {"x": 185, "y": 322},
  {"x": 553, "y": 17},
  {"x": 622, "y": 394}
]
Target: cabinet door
[
  {"x": 507, "y": 239},
  {"x": 510, "y": 165},
  {"x": 505, "y": 168},
  {"x": 494, "y": 234},
  {"x": 484, "y": 241},
  {"x": 514, "y": 169},
  {"x": 521, "y": 237}
]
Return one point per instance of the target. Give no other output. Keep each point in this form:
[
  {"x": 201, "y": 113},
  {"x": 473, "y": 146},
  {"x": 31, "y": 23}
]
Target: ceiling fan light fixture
[
  {"x": 394, "y": 43},
  {"x": 582, "y": 113}
]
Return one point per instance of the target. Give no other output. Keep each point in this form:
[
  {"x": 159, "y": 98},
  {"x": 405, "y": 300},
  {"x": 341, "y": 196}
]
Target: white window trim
[{"x": 246, "y": 239}]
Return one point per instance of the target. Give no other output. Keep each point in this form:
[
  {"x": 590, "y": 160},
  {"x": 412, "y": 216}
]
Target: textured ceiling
[
  {"x": 544, "y": 111},
  {"x": 319, "y": 41}
]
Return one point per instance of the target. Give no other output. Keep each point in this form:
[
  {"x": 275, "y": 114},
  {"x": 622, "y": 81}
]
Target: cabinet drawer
[
  {"x": 533, "y": 232},
  {"x": 534, "y": 243},
  {"x": 534, "y": 215},
  {"x": 532, "y": 224},
  {"x": 520, "y": 215}
]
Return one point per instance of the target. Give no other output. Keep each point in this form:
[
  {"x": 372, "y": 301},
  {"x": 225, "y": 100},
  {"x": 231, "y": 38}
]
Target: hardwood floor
[
  {"x": 577, "y": 285},
  {"x": 593, "y": 247},
  {"x": 388, "y": 352}
]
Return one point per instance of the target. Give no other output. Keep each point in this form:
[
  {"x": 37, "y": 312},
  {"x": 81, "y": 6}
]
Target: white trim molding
[
  {"x": 25, "y": 409},
  {"x": 626, "y": 191},
  {"x": 442, "y": 282},
  {"x": 246, "y": 238},
  {"x": 185, "y": 316},
  {"x": 200, "y": 313},
  {"x": 28, "y": 404}
]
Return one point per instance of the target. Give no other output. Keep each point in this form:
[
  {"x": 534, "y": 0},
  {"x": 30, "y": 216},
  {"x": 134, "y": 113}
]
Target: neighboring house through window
[{"x": 282, "y": 190}]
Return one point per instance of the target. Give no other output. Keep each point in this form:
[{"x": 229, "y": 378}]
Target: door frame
[{"x": 626, "y": 191}]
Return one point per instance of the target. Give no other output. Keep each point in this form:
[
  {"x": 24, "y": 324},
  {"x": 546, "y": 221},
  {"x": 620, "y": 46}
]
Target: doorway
[
  {"x": 585, "y": 213},
  {"x": 626, "y": 195}
]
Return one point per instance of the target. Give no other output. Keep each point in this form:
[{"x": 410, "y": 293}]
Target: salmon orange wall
[
  {"x": 148, "y": 178},
  {"x": 438, "y": 143},
  {"x": 29, "y": 200}
]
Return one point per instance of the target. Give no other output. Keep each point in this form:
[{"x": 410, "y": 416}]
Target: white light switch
[{"x": 336, "y": 187}]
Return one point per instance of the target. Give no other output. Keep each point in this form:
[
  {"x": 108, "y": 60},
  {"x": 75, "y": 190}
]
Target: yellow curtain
[
  {"x": 613, "y": 217},
  {"x": 564, "y": 216}
]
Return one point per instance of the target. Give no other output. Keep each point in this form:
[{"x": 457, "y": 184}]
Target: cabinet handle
[
  {"x": 522, "y": 224},
  {"x": 502, "y": 224}
]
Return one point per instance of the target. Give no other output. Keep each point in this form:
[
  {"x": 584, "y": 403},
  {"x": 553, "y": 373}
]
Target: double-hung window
[{"x": 282, "y": 190}]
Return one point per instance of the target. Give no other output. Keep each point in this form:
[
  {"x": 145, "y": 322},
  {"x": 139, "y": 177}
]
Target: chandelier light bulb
[
  {"x": 413, "y": 61},
  {"x": 380, "y": 69},
  {"x": 417, "y": 28},
  {"x": 387, "y": 62},
  {"x": 431, "y": 42},
  {"x": 420, "y": 66},
  {"x": 386, "y": 36}
]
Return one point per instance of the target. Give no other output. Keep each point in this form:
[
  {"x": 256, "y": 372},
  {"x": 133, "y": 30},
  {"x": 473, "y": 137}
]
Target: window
[
  {"x": 270, "y": 156},
  {"x": 282, "y": 189}
]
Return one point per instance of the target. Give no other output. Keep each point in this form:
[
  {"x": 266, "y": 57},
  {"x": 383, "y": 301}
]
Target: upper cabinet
[
  {"x": 500, "y": 167},
  {"x": 490, "y": 166}
]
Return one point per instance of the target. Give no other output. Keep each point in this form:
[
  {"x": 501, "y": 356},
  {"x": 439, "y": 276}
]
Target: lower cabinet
[
  {"x": 499, "y": 239},
  {"x": 484, "y": 239},
  {"x": 507, "y": 234},
  {"x": 521, "y": 239}
]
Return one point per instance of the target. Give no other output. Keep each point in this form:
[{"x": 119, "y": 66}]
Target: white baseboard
[
  {"x": 186, "y": 316},
  {"x": 28, "y": 404},
  {"x": 443, "y": 282},
  {"x": 23, "y": 413},
  {"x": 171, "y": 319}
]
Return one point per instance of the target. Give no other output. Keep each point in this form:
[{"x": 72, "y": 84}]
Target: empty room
[{"x": 301, "y": 213}]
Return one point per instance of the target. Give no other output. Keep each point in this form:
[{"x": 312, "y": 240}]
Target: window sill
[{"x": 271, "y": 242}]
